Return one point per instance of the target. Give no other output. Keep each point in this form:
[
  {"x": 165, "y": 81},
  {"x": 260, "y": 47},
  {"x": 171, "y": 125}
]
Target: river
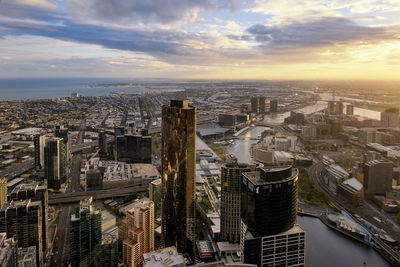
[{"x": 324, "y": 247}]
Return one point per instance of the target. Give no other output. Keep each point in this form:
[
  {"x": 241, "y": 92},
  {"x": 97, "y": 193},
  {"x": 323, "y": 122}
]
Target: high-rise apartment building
[
  {"x": 137, "y": 232},
  {"x": 378, "y": 175},
  {"x": 273, "y": 105},
  {"x": 231, "y": 179},
  {"x": 155, "y": 195},
  {"x": 8, "y": 251},
  {"x": 102, "y": 143},
  {"x": 3, "y": 192},
  {"x": 54, "y": 171},
  {"x": 34, "y": 192},
  {"x": 39, "y": 142},
  {"x": 254, "y": 104},
  {"x": 269, "y": 234},
  {"x": 261, "y": 105},
  {"x": 178, "y": 151},
  {"x": 85, "y": 233},
  {"x": 349, "y": 109},
  {"x": 22, "y": 220},
  {"x": 390, "y": 118}
]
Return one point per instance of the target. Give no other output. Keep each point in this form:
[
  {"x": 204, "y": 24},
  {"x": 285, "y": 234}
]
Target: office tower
[
  {"x": 85, "y": 233},
  {"x": 102, "y": 143},
  {"x": 155, "y": 195},
  {"x": 350, "y": 109},
  {"x": 378, "y": 175},
  {"x": 137, "y": 232},
  {"x": 39, "y": 142},
  {"x": 133, "y": 148},
  {"x": 27, "y": 257},
  {"x": 61, "y": 132},
  {"x": 390, "y": 118},
  {"x": 261, "y": 104},
  {"x": 23, "y": 221},
  {"x": 8, "y": 251},
  {"x": 269, "y": 234},
  {"x": 3, "y": 192},
  {"x": 231, "y": 179},
  {"x": 254, "y": 104},
  {"x": 178, "y": 151},
  {"x": 339, "y": 107},
  {"x": 35, "y": 192},
  {"x": 54, "y": 162},
  {"x": 273, "y": 105}
]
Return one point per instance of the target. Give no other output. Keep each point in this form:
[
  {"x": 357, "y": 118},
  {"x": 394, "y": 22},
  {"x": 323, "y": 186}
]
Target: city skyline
[{"x": 200, "y": 39}]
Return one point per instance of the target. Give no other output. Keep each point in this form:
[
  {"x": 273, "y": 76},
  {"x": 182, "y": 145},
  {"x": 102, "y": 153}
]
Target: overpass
[{"x": 72, "y": 197}]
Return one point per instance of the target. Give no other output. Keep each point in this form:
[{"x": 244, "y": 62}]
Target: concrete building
[
  {"x": 8, "y": 251},
  {"x": 254, "y": 104},
  {"x": 335, "y": 107},
  {"x": 353, "y": 190},
  {"x": 166, "y": 257},
  {"x": 309, "y": 132},
  {"x": 156, "y": 196},
  {"x": 27, "y": 257},
  {"x": 378, "y": 175},
  {"x": 227, "y": 119},
  {"x": 273, "y": 105},
  {"x": 282, "y": 143},
  {"x": 35, "y": 192},
  {"x": 137, "y": 232},
  {"x": 261, "y": 104},
  {"x": 390, "y": 118},
  {"x": 3, "y": 192},
  {"x": 178, "y": 174},
  {"x": 334, "y": 175},
  {"x": 367, "y": 135},
  {"x": 54, "y": 162},
  {"x": 349, "y": 110},
  {"x": 85, "y": 234},
  {"x": 263, "y": 154},
  {"x": 231, "y": 176},
  {"x": 22, "y": 220},
  {"x": 269, "y": 234}
]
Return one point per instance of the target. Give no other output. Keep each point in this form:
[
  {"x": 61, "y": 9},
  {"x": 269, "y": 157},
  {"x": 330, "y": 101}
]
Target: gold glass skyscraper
[{"x": 178, "y": 174}]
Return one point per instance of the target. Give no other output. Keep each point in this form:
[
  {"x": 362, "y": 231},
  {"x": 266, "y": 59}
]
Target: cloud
[
  {"x": 318, "y": 33},
  {"x": 140, "y": 11}
]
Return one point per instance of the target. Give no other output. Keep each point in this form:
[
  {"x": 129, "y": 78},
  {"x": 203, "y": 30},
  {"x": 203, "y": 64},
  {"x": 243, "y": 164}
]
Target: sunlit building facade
[{"x": 178, "y": 174}]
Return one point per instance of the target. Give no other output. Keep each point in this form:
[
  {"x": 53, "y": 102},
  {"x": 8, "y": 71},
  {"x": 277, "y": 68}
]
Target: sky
[{"x": 201, "y": 39}]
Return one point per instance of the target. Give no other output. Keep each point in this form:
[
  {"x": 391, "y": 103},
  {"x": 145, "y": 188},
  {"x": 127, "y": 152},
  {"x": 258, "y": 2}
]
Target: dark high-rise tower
[
  {"x": 54, "y": 162},
  {"x": 231, "y": 179},
  {"x": 273, "y": 105},
  {"x": 178, "y": 174},
  {"x": 254, "y": 104},
  {"x": 261, "y": 105},
  {"x": 269, "y": 234},
  {"x": 102, "y": 143}
]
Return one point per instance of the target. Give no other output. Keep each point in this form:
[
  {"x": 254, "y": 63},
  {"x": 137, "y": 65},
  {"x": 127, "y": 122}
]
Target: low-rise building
[{"x": 166, "y": 257}]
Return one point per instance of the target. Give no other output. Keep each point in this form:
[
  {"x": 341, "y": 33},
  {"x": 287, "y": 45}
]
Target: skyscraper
[
  {"x": 273, "y": 105},
  {"x": 390, "y": 118},
  {"x": 254, "y": 104},
  {"x": 178, "y": 174},
  {"x": 137, "y": 232},
  {"x": 269, "y": 234},
  {"x": 22, "y": 220},
  {"x": 261, "y": 104},
  {"x": 53, "y": 162},
  {"x": 35, "y": 192},
  {"x": 231, "y": 179},
  {"x": 3, "y": 192},
  {"x": 156, "y": 196},
  {"x": 102, "y": 143},
  {"x": 85, "y": 233},
  {"x": 39, "y": 143}
]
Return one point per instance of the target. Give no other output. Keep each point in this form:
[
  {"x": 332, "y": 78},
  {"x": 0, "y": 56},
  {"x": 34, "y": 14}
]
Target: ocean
[{"x": 38, "y": 88}]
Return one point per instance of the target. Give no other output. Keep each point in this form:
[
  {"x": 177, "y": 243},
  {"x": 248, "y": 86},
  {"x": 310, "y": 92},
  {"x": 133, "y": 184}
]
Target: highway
[
  {"x": 72, "y": 197},
  {"x": 315, "y": 173}
]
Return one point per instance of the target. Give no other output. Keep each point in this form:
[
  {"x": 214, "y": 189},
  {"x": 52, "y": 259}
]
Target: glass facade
[{"x": 178, "y": 174}]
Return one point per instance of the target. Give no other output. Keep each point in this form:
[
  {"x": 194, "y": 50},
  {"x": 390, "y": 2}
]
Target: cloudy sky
[{"x": 210, "y": 39}]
